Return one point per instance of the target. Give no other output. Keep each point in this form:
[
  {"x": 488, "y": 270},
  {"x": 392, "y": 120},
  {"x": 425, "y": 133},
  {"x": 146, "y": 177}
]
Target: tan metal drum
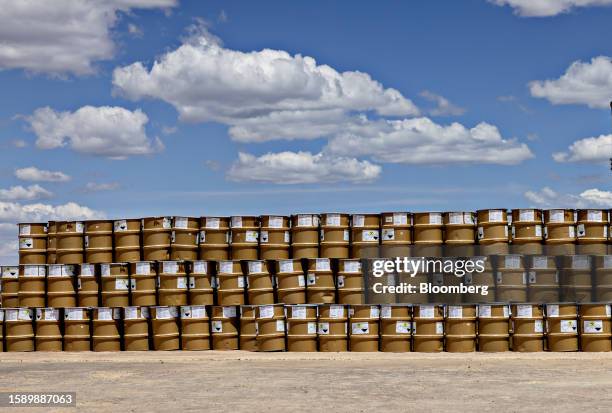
[
  {"x": 575, "y": 278},
  {"x": 9, "y": 291},
  {"x": 172, "y": 283},
  {"x": 232, "y": 283},
  {"x": 291, "y": 282},
  {"x": 76, "y": 329},
  {"x": 459, "y": 233},
  {"x": 136, "y": 328},
  {"x": 271, "y": 327},
  {"x": 416, "y": 279},
  {"x": 32, "y": 279},
  {"x": 70, "y": 242},
  {"x": 543, "y": 279},
  {"x": 320, "y": 283},
  {"x": 445, "y": 281},
  {"x": 165, "y": 328},
  {"x": 87, "y": 286},
  {"x": 560, "y": 231},
  {"x": 562, "y": 327},
  {"x": 143, "y": 283},
  {"x": 428, "y": 234},
  {"x": 334, "y": 235},
  {"x": 224, "y": 328},
  {"x": 301, "y": 327},
  {"x": 19, "y": 331},
  {"x": 482, "y": 279},
  {"x": 184, "y": 240},
  {"x": 115, "y": 283},
  {"x": 305, "y": 236},
  {"x": 248, "y": 328},
  {"x": 260, "y": 283},
  {"x": 595, "y": 327},
  {"x": 214, "y": 238},
  {"x": 396, "y": 328},
  {"x": 274, "y": 237},
  {"x": 106, "y": 334},
  {"x": 428, "y": 327},
  {"x": 32, "y": 243},
  {"x": 156, "y": 237},
  {"x": 195, "y": 328},
  {"x": 51, "y": 242},
  {"x": 126, "y": 237},
  {"x": 48, "y": 329},
  {"x": 1, "y": 328},
  {"x": 396, "y": 234},
  {"x": 460, "y": 328},
  {"x": 244, "y": 237},
  {"x": 492, "y": 231},
  {"x": 493, "y": 327},
  {"x": 363, "y": 327},
  {"x": 350, "y": 282},
  {"x": 592, "y": 231},
  {"x": 98, "y": 241},
  {"x": 526, "y": 230},
  {"x": 511, "y": 278},
  {"x": 61, "y": 286},
  {"x": 332, "y": 328},
  {"x": 201, "y": 283},
  {"x": 527, "y": 327},
  {"x": 603, "y": 278},
  {"x": 365, "y": 235}
]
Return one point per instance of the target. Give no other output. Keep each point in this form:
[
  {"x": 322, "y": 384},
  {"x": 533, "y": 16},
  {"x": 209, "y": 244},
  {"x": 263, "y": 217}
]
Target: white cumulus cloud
[
  {"x": 595, "y": 149},
  {"x": 62, "y": 36},
  {"x": 112, "y": 132},
  {"x": 444, "y": 106},
  {"x": 34, "y": 174},
  {"x": 590, "y": 198},
  {"x": 30, "y": 193},
  {"x": 584, "y": 83},
  {"x": 547, "y": 8},
  {"x": 102, "y": 186},
  {"x": 301, "y": 168}
]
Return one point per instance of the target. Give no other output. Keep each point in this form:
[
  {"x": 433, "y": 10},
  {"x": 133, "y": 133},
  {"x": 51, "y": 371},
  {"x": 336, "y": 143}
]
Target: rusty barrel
[
  {"x": 126, "y": 239},
  {"x": 395, "y": 328},
  {"x": 335, "y": 235},
  {"x": 396, "y": 234},
  {"x": 115, "y": 284},
  {"x": 98, "y": 241},
  {"x": 350, "y": 281},
  {"x": 48, "y": 329},
  {"x": 184, "y": 239},
  {"x": 214, "y": 238},
  {"x": 492, "y": 231},
  {"x": 156, "y": 237},
  {"x": 106, "y": 335},
  {"x": 165, "y": 327},
  {"x": 201, "y": 283},
  {"x": 562, "y": 327},
  {"x": 224, "y": 328},
  {"x": 172, "y": 283},
  {"x": 61, "y": 285},
  {"x": 595, "y": 327},
  {"x": 493, "y": 327},
  {"x": 274, "y": 237},
  {"x": 143, "y": 283},
  {"x": 32, "y": 279},
  {"x": 365, "y": 235},
  {"x": 291, "y": 283},
  {"x": 88, "y": 286},
  {"x": 363, "y": 327},
  {"x": 526, "y": 231},
  {"x": 77, "y": 336},
  {"x": 301, "y": 327},
  {"x": 560, "y": 231},
  {"x": 9, "y": 283},
  {"x": 231, "y": 283},
  {"x": 428, "y": 234},
  {"x": 459, "y": 233},
  {"x": 19, "y": 330},
  {"x": 136, "y": 328},
  {"x": 460, "y": 328},
  {"x": 260, "y": 283},
  {"x": 332, "y": 328},
  {"x": 271, "y": 328},
  {"x": 70, "y": 242},
  {"x": 305, "y": 236},
  {"x": 592, "y": 231},
  {"x": 320, "y": 282},
  {"x": 244, "y": 237},
  {"x": 33, "y": 243},
  {"x": 195, "y": 328},
  {"x": 527, "y": 327}
]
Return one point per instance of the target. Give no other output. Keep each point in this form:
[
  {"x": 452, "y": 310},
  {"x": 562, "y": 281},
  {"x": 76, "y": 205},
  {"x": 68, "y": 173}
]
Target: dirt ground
[{"x": 339, "y": 382}]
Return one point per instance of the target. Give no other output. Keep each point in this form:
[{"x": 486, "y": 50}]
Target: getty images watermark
[{"x": 456, "y": 267}]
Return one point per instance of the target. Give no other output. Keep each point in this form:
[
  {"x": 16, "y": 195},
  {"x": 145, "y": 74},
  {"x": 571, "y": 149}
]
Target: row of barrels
[
  {"x": 175, "y": 283},
  {"x": 307, "y": 328},
  {"x": 328, "y": 235}
]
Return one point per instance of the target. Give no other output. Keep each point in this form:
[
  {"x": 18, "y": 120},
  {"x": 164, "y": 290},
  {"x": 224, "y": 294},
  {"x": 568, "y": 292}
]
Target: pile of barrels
[
  {"x": 327, "y": 235},
  {"x": 307, "y": 328}
]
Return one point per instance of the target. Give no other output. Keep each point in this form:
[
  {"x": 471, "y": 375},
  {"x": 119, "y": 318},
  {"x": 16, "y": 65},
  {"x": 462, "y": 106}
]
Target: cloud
[
  {"x": 134, "y": 30},
  {"x": 30, "y": 193},
  {"x": 212, "y": 164},
  {"x": 62, "y": 36},
  {"x": 19, "y": 143},
  {"x": 591, "y": 198},
  {"x": 584, "y": 83},
  {"x": 97, "y": 187},
  {"x": 222, "y": 17},
  {"x": 422, "y": 141},
  {"x": 547, "y": 8},
  {"x": 301, "y": 168},
  {"x": 34, "y": 174},
  {"x": 444, "y": 106},
  {"x": 594, "y": 150},
  {"x": 112, "y": 132}
]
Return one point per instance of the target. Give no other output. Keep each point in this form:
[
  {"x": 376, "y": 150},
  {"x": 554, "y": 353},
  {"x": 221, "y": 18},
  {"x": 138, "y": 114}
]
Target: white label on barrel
[
  {"x": 496, "y": 215},
  {"x": 120, "y": 226},
  {"x": 10, "y": 272},
  {"x": 280, "y": 326},
  {"x": 538, "y": 230},
  {"x": 286, "y": 266},
  {"x": 468, "y": 218},
  {"x": 255, "y": 267},
  {"x": 180, "y": 222},
  {"x": 322, "y": 235},
  {"x": 1, "y": 315},
  {"x": 26, "y": 243},
  {"x": 513, "y": 232},
  {"x": 374, "y": 312},
  {"x": 298, "y": 312},
  {"x": 56, "y": 270},
  {"x": 352, "y": 266},
  {"x": 200, "y": 267},
  {"x": 322, "y": 264},
  {"x": 236, "y": 222},
  {"x": 435, "y": 218},
  {"x": 580, "y": 262},
  {"x": 336, "y": 311},
  {"x": 370, "y": 235},
  {"x": 512, "y": 261},
  {"x": 439, "y": 327},
  {"x": 202, "y": 237},
  {"x": 538, "y": 326},
  {"x": 594, "y": 215},
  {"x": 170, "y": 267},
  {"x": 275, "y": 222},
  {"x": 287, "y": 237},
  {"x": 24, "y": 229},
  {"x": 121, "y": 284},
  {"x": 552, "y": 310},
  {"x": 311, "y": 278},
  {"x": 143, "y": 268},
  {"x": 607, "y": 261},
  {"x": 505, "y": 231},
  {"x": 332, "y": 220},
  {"x": 556, "y": 215},
  {"x": 323, "y": 328},
  {"x": 229, "y": 312},
  {"x": 131, "y": 313},
  {"x": 341, "y": 281},
  {"x": 163, "y": 313},
  {"x": 539, "y": 262},
  {"x": 532, "y": 277},
  {"x": 186, "y": 311},
  {"x": 304, "y": 221},
  {"x": 301, "y": 281},
  {"x": 581, "y": 230},
  {"x": 346, "y": 235},
  {"x": 388, "y": 234},
  {"x": 173, "y": 237},
  {"x": 360, "y": 328},
  {"x": 51, "y": 314},
  {"x": 358, "y": 220},
  {"x": 34, "y": 270},
  {"x": 78, "y": 283},
  {"x": 86, "y": 241},
  {"x": 593, "y": 326},
  {"x": 213, "y": 222},
  {"x": 438, "y": 279},
  {"x": 480, "y": 232},
  {"x": 251, "y": 236},
  {"x": 264, "y": 236},
  {"x": 105, "y": 270},
  {"x": 217, "y": 326},
  {"x": 312, "y": 327},
  {"x": 402, "y": 327},
  {"x": 12, "y": 315},
  {"x": 569, "y": 326},
  {"x": 87, "y": 269},
  {"x": 455, "y": 311},
  {"x": 385, "y": 311},
  {"x": 484, "y": 311},
  {"x": 389, "y": 219},
  {"x": 192, "y": 282},
  {"x": 467, "y": 279},
  {"x": 524, "y": 310},
  {"x": 105, "y": 314},
  {"x": 181, "y": 283},
  {"x": 426, "y": 311},
  {"x": 527, "y": 215},
  {"x": 79, "y": 227},
  {"x": 400, "y": 219},
  {"x": 455, "y": 218},
  {"x": 73, "y": 314},
  {"x": 214, "y": 282},
  {"x": 198, "y": 311},
  {"x": 499, "y": 278},
  {"x": 133, "y": 284},
  {"x": 608, "y": 309},
  {"x": 240, "y": 282}
]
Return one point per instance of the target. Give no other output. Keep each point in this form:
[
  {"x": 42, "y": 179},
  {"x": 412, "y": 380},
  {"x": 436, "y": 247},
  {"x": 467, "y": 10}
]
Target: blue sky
[{"x": 479, "y": 56}]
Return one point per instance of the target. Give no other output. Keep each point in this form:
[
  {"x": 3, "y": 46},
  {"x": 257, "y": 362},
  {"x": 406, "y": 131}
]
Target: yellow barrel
[
  {"x": 106, "y": 334},
  {"x": 363, "y": 327},
  {"x": 460, "y": 328},
  {"x": 560, "y": 231},
  {"x": 98, "y": 241},
  {"x": 260, "y": 283},
  {"x": 165, "y": 328},
  {"x": 350, "y": 282},
  {"x": 248, "y": 328},
  {"x": 396, "y": 234},
  {"x": 172, "y": 283},
  {"x": 231, "y": 283},
  {"x": 575, "y": 278},
  {"x": 70, "y": 242},
  {"x": 195, "y": 328},
  {"x": 115, "y": 284},
  {"x": 301, "y": 327},
  {"x": 244, "y": 237},
  {"x": 332, "y": 328},
  {"x": 32, "y": 279},
  {"x": 143, "y": 283},
  {"x": 603, "y": 278},
  {"x": 126, "y": 238},
  {"x": 274, "y": 237},
  {"x": 428, "y": 234},
  {"x": 9, "y": 283},
  {"x": 1, "y": 328},
  {"x": 136, "y": 328},
  {"x": 562, "y": 327},
  {"x": 459, "y": 233},
  {"x": 493, "y": 327},
  {"x": 184, "y": 240},
  {"x": 156, "y": 237},
  {"x": 543, "y": 279},
  {"x": 305, "y": 236},
  {"x": 428, "y": 327},
  {"x": 511, "y": 278},
  {"x": 492, "y": 231},
  {"x": 224, "y": 328},
  {"x": 214, "y": 238},
  {"x": 51, "y": 242},
  {"x": 526, "y": 230},
  {"x": 482, "y": 279},
  {"x": 76, "y": 329},
  {"x": 396, "y": 328},
  {"x": 48, "y": 329},
  {"x": 271, "y": 327},
  {"x": 19, "y": 331},
  {"x": 291, "y": 283},
  {"x": 527, "y": 327},
  {"x": 61, "y": 286},
  {"x": 201, "y": 283},
  {"x": 320, "y": 283},
  {"x": 592, "y": 231},
  {"x": 32, "y": 243},
  {"x": 87, "y": 286},
  {"x": 335, "y": 235},
  {"x": 365, "y": 235},
  {"x": 595, "y": 330}
]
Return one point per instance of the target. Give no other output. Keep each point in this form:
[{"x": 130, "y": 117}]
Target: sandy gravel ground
[{"x": 338, "y": 382}]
